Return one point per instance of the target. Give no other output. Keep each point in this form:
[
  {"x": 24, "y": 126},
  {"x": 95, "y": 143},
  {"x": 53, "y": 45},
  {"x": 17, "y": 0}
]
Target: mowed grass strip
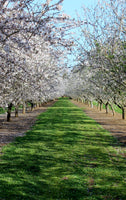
[{"x": 66, "y": 156}]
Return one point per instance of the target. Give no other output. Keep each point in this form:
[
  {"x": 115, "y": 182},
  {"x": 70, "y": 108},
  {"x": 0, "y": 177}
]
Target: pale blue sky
[{"x": 71, "y": 6}]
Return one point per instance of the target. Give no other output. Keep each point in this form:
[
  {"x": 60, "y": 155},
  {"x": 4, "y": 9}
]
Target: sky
[{"x": 71, "y": 6}]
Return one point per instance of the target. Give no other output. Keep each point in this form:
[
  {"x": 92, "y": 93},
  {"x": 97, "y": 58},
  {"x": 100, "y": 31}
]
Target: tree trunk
[
  {"x": 123, "y": 112},
  {"x": 16, "y": 111},
  {"x": 100, "y": 106},
  {"x": 9, "y": 112},
  {"x": 87, "y": 102},
  {"x": 91, "y": 104},
  {"x": 113, "y": 112},
  {"x": 37, "y": 105},
  {"x": 40, "y": 104},
  {"x": 106, "y": 107},
  {"x": 32, "y": 106},
  {"x": 24, "y": 108}
]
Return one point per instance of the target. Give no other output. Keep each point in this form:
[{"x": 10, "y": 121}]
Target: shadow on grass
[{"x": 66, "y": 156}]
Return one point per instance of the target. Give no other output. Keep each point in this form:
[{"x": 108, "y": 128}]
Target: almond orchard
[
  {"x": 53, "y": 69},
  {"x": 100, "y": 74},
  {"x": 35, "y": 39}
]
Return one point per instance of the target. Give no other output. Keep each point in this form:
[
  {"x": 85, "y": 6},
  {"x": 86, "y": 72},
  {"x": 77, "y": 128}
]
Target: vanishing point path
[{"x": 65, "y": 156}]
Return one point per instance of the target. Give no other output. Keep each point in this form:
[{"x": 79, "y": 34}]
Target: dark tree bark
[
  {"x": 124, "y": 112},
  {"x": 106, "y": 107},
  {"x": 100, "y": 106},
  {"x": 16, "y": 111},
  {"x": 32, "y": 106},
  {"x": 9, "y": 112},
  {"x": 123, "y": 108}
]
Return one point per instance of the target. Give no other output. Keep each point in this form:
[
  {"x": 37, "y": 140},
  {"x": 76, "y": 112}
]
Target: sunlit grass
[
  {"x": 4, "y": 110},
  {"x": 66, "y": 156},
  {"x": 115, "y": 107}
]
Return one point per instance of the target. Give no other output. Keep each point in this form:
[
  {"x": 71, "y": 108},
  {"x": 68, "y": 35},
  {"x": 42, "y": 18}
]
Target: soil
[
  {"x": 114, "y": 124},
  {"x": 19, "y": 125}
]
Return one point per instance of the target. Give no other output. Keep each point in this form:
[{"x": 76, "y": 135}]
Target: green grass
[
  {"x": 66, "y": 156},
  {"x": 115, "y": 107},
  {"x": 2, "y": 110}
]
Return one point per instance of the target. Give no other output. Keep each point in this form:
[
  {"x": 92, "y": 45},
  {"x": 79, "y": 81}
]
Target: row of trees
[
  {"x": 35, "y": 39},
  {"x": 33, "y": 43},
  {"x": 101, "y": 71}
]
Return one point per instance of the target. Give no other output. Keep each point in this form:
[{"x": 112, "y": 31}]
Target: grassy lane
[{"x": 66, "y": 156}]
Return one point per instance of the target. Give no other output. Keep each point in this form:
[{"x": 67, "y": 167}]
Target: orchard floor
[
  {"x": 66, "y": 155},
  {"x": 114, "y": 124},
  {"x": 18, "y": 126}
]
